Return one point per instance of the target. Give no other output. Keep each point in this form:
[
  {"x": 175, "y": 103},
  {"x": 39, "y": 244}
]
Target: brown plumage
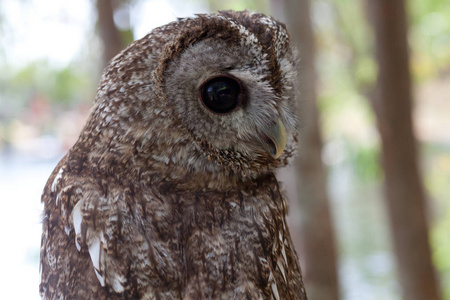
[{"x": 169, "y": 192}]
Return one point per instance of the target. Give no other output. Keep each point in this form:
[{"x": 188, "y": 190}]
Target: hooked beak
[{"x": 274, "y": 139}]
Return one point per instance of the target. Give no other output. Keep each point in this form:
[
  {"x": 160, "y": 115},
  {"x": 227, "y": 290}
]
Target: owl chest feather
[{"x": 220, "y": 243}]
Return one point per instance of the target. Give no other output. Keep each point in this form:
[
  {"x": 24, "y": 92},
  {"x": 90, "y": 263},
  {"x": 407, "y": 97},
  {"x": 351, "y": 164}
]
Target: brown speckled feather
[{"x": 162, "y": 199}]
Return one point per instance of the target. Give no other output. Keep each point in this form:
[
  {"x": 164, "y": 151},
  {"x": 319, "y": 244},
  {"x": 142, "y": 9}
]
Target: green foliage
[
  {"x": 437, "y": 170},
  {"x": 430, "y": 39},
  {"x": 126, "y": 36},
  {"x": 60, "y": 85},
  {"x": 349, "y": 46},
  {"x": 366, "y": 163},
  {"x": 36, "y": 94},
  {"x": 441, "y": 252},
  {"x": 254, "y": 5}
]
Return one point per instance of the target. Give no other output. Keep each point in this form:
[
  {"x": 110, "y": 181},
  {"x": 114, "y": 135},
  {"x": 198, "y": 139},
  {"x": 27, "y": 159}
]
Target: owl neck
[{"x": 128, "y": 165}]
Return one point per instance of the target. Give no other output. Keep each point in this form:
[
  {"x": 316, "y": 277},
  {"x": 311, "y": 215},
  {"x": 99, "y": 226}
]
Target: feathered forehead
[{"x": 256, "y": 31}]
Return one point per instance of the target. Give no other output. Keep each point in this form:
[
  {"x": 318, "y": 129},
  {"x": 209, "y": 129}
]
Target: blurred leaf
[{"x": 366, "y": 162}]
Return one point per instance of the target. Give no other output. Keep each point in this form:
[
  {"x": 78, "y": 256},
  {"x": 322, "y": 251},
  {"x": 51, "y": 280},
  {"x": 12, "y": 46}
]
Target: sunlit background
[{"x": 50, "y": 64}]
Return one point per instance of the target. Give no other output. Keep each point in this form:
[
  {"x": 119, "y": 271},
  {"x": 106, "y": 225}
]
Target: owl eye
[{"x": 221, "y": 94}]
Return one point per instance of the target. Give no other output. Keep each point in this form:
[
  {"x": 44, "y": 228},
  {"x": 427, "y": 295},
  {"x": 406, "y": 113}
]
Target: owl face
[{"x": 221, "y": 90}]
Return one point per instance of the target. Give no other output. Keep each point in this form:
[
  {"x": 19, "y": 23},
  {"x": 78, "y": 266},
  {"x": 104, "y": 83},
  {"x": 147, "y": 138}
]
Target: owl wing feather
[
  {"x": 90, "y": 229},
  {"x": 95, "y": 220}
]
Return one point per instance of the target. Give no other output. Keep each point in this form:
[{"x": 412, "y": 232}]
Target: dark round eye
[{"x": 221, "y": 94}]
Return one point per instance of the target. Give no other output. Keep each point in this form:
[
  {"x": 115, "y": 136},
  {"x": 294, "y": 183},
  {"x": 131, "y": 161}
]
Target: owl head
[{"x": 209, "y": 95}]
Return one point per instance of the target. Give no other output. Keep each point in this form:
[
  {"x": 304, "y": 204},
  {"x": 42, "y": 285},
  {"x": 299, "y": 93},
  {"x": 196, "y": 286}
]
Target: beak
[{"x": 274, "y": 139}]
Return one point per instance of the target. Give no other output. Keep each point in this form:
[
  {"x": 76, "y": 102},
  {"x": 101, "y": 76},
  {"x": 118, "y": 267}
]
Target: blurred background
[{"x": 369, "y": 194}]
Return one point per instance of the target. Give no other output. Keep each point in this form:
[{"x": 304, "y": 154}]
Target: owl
[{"x": 169, "y": 191}]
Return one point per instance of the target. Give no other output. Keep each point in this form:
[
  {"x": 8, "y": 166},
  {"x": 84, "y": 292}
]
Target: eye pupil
[{"x": 221, "y": 94}]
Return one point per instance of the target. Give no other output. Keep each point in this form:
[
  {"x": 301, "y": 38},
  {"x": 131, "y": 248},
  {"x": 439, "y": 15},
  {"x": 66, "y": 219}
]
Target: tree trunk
[
  {"x": 405, "y": 193},
  {"x": 318, "y": 241},
  {"x": 109, "y": 34}
]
